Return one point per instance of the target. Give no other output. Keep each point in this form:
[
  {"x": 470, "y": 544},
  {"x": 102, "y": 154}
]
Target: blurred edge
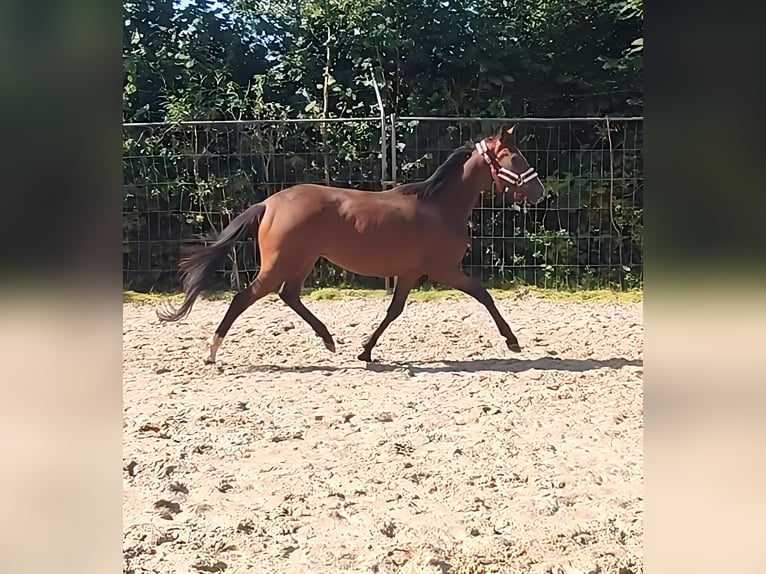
[
  {"x": 60, "y": 397},
  {"x": 705, "y": 309}
]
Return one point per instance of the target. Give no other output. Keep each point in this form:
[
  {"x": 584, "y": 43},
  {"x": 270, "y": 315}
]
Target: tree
[{"x": 263, "y": 59}]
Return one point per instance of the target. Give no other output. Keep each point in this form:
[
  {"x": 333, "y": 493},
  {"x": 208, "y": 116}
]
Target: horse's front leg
[
  {"x": 403, "y": 287},
  {"x": 456, "y": 279}
]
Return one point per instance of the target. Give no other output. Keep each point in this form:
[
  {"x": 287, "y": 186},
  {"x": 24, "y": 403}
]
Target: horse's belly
[{"x": 374, "y": 256}]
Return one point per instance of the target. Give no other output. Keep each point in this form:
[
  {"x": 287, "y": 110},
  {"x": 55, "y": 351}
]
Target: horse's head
[{"x": 510, "y": 169}]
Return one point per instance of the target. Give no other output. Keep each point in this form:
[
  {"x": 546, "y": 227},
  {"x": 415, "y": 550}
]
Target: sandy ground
[{"x": 451, "y": 454}]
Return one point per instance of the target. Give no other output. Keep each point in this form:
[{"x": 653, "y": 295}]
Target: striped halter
[{"x": 499, "y": 172}]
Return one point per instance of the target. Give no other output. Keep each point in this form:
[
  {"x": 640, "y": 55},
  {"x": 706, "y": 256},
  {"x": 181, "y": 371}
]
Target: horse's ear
[{"x": 506, "y": 134}]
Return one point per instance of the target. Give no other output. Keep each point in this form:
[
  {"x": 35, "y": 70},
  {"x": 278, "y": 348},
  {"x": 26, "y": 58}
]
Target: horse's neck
[{"x": 459, "y": 199}]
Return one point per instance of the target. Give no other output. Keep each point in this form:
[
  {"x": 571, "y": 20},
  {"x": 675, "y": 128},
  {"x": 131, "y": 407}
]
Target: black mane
[{"x": 443, "y": 174}]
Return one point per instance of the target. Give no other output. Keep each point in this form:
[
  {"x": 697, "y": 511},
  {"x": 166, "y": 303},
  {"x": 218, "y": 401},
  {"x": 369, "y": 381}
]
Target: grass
[
  {"x": 424, "y": 295},
  {"x": 151, "y": 298}
]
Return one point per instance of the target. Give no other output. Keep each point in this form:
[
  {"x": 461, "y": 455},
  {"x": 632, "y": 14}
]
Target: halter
[{"x": 505, "y": 174}]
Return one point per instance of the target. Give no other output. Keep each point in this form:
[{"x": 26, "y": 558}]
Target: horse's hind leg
[
  {"x": 291, "y": 295},
  {"x": 265, "y": 283}
]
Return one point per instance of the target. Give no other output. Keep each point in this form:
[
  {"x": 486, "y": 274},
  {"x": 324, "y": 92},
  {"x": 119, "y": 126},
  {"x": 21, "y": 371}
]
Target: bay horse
[{"x": 411, "y": 231}]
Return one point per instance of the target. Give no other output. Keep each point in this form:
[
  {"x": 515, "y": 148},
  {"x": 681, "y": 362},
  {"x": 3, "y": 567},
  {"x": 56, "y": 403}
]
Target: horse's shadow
[
  {"x": 470, "y": 366},
  {"x": 509, "y": 365}
]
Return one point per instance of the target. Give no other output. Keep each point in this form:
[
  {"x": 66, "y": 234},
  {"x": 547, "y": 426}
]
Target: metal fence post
[
  {"x": 393, "y": 148},
  {"x": 383, "y": 162},
  {"x": 391, "y": 281}
]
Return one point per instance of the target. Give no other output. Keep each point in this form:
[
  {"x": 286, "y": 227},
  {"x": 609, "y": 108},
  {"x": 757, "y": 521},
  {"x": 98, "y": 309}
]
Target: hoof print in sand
[{"x": 167, "y": 508}]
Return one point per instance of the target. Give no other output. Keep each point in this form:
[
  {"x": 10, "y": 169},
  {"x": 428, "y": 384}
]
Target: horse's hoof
[
  {"x": 209, "y": 361},
  {"x": 365, "y": 356},
  {"x": 330, "y": 345},
  {"x": 515, "y": 347}
]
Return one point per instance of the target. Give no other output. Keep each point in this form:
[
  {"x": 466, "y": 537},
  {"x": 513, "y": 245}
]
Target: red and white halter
[{"x": 499, "y": 172}]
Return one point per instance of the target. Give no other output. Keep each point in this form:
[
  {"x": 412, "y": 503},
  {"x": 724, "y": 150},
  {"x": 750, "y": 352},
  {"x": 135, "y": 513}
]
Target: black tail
[{"x": 196, "y": 269}]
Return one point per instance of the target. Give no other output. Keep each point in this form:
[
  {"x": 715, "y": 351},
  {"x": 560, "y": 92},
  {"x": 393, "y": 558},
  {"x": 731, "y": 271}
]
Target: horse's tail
[{"x": 197, "y": 268}]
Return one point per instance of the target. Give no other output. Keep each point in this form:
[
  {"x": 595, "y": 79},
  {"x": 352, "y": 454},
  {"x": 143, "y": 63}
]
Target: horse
[{"x": 414, "y": 230}]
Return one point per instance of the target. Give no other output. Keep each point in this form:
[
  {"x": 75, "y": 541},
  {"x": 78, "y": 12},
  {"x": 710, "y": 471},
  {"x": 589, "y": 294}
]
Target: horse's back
[{"x": 370, "y": 233}]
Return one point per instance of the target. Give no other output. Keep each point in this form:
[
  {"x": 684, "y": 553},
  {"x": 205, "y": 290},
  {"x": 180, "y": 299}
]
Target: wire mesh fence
[
  {"x": 185, "y": 180},
  {"x": 589, "y": 231}
]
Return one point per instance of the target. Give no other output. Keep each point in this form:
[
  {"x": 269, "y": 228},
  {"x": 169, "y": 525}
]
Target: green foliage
[
  {"x": 433, "y": 58},
  {"x": 266, "y": 61}
]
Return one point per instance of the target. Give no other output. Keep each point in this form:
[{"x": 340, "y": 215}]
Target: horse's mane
[{"x": 443, "y": 174}]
